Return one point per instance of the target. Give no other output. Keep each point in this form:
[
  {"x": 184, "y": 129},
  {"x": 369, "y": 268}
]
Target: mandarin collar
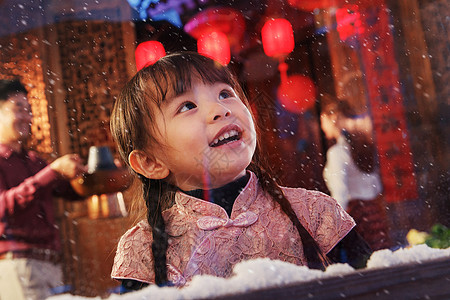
[{"x": 191, "y": 204}]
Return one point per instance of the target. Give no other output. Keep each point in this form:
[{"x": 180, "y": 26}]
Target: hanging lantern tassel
[
  {"x": 283, "y": 67},
  {"x": 296, "y": 93},
  {"x": 147, "y": 53},
  {"x": 215, "y": 45}
]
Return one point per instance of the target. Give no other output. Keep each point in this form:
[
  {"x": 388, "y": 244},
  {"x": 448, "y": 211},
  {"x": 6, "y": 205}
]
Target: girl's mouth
[{"x": 229, "y": 135}]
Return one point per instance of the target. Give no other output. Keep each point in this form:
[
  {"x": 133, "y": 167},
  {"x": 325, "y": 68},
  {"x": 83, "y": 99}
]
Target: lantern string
[{"x": 283, "y": 67}]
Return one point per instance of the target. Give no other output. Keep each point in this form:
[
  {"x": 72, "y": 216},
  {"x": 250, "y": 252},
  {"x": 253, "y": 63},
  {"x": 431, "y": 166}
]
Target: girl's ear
[{"x": 147, "y": 165}]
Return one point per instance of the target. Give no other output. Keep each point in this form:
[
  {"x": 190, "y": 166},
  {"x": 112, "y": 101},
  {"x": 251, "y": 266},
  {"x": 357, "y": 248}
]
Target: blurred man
[{"x": 29, "y": 238}]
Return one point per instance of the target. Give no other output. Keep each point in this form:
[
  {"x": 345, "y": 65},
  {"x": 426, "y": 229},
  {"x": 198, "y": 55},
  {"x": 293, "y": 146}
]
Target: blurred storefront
[{"x": 389, "y": 58}]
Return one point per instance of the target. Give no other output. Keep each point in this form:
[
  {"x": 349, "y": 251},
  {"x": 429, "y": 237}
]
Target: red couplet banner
[{"x": 375, "y": 44}]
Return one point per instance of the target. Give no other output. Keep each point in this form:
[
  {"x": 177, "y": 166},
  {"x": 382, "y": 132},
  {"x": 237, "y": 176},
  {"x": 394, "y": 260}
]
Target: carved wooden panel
[
  {"x": 94, "y": 69},
  {"x": 436, "y": 26}
]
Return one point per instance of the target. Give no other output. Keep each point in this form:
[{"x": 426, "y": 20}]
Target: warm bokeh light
[
  {"x": 215, "y": 45},
  {"x": 297, "y": 94},
  {"x": 147, "y": 53},
  {"x": 277, "y": 37}
]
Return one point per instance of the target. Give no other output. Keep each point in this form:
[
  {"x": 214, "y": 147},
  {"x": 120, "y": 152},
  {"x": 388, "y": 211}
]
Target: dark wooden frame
[{"x": 421, "y": 280}]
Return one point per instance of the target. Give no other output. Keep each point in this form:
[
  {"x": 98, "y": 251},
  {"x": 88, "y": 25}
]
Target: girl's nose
[{"x": 218, "y": 111}]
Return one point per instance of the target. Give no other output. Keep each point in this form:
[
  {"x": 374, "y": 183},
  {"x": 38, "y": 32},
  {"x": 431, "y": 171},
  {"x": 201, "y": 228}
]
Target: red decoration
[
  {"x": 215, "y": 45},
  {"x": 386, "y": 102},
  {"x": 226, "y": 20},
  {"x": 297, "y": 93},
  {"x": 310, "y": 5},
  {"x": 147, "y": 53},
  {"x": 348, "y": 21},
  {"x": 277, "y": 38}
]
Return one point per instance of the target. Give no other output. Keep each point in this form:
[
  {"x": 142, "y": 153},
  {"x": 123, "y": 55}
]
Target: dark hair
[
  {"x": 10, "y": 87},
  {"x": 362, "y": 148},
  {"x": 131, "y": 118}
]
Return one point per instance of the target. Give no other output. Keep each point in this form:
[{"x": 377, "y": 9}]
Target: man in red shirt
[{"x": 29, "y": 238}]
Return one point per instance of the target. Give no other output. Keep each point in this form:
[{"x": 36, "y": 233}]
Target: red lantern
[
  {"x": 215, "y": 45},
  {"x": 277, "y": 38},
  {"x": 147, "y": 53},
  {"x": 222, "y": 19},
  {"x": 297, "y": 93}
]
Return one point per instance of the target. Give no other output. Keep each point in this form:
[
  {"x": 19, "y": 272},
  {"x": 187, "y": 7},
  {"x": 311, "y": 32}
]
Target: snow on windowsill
[{"x": 265, "y": 273}]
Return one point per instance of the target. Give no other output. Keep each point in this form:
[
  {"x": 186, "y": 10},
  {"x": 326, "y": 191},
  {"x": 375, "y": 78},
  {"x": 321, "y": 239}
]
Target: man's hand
[{"x": 69, "y": 166}]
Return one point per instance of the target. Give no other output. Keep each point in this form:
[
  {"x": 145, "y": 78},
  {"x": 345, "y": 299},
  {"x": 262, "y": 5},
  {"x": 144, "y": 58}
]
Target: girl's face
[{"x": 207, "y": 135}]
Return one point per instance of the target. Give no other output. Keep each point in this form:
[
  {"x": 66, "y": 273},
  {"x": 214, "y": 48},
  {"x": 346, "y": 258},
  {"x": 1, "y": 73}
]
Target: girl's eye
[
  {"x": 225, "y": 94},
  {"x": 187, "y": 106}
]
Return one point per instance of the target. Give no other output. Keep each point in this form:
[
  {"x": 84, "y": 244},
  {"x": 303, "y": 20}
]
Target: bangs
[{"x": 172, "y": 76}]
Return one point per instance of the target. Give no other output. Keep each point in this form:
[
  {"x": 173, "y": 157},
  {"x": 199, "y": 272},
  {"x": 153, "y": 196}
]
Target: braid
[
  {"x": 154, "y": 191},
  {"x": 315, "y": 258}
]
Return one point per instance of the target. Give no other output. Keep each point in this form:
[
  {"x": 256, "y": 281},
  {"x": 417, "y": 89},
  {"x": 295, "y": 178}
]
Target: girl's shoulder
[
  {"x": 133, "y": 258},
  {"x": 141, "y": 232},
  {"x": 314, "y": 206},
  {"x": 322, "y": 215},
  {"x": 305, "y": 196}
]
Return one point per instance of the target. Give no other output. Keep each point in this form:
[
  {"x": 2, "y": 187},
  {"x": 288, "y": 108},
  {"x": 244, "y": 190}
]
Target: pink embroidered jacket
[{"x": 204, "y": 240}]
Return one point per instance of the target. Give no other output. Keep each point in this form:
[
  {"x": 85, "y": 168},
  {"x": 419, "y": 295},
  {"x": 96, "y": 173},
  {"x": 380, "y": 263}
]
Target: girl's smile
[{"x": 229, "y": 135}]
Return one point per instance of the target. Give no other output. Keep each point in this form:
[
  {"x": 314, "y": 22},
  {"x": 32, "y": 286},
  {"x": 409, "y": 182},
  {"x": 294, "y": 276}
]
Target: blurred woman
[{"x": 351, "y": 173}]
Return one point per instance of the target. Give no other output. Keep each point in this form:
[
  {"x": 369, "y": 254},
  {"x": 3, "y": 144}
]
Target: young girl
[
  {"x": 351, "y": 174},
  {"x": 184, "y": 127}
]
